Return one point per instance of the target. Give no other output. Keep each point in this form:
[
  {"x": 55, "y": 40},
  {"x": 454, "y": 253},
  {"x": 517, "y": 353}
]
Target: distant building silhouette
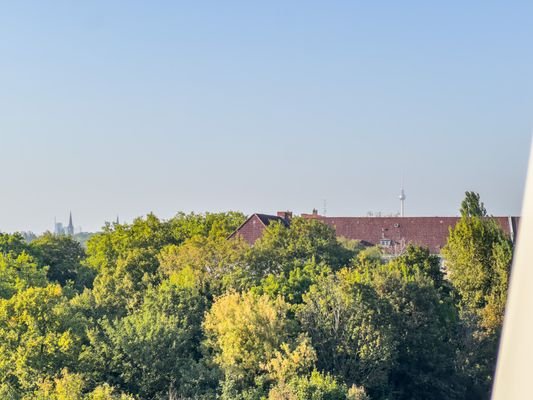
[
  {"x": 60, "y": 229},
  {"x": 70, "y": 227}
]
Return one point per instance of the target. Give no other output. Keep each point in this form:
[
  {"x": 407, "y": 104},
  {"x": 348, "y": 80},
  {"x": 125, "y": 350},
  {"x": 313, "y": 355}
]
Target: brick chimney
[{"x": 286, "y": 215}]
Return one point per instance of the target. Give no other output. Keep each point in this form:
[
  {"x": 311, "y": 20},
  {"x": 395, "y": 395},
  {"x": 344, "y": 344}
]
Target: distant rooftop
[{"x": 391, "y": 233}]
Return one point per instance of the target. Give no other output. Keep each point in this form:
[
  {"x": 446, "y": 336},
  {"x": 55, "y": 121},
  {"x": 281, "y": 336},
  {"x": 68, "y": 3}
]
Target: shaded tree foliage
[
  {"x": 155, "y": 347},
  {"x": 63, "y": 256},
  {"x": 349, "y": 328},
  {"x": 425, "y": 326},
  {"x": 13, "y": 244}
]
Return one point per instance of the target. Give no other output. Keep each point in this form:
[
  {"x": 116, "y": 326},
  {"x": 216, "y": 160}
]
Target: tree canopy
[{"x": 172, "y": 309}]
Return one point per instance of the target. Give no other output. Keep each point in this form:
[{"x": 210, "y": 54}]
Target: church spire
[{"x": 70, "y": 227}]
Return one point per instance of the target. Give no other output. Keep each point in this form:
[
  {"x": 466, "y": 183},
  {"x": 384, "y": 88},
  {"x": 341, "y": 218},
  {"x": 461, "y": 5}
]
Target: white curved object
[{"x": 514, "y": 372}]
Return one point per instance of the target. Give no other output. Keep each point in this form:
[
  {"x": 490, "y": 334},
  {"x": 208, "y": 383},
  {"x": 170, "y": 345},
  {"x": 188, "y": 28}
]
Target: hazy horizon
[
  {"x": 371, "y": 213},
  {"x": 125, "y": 108}
]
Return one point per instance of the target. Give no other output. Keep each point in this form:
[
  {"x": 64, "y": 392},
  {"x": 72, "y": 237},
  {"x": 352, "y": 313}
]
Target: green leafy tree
[
  {"x": 368, "y": 258},
  {"x": 349, "y": 328},
  {"x": 127, "y": 256},
  {"x": 67, "y": 386},
  {"x": 316, "y": 386},
  {"x": 13, "y": 243},
  {"x": 425, "y": 326},
  {"x": 293, "y": 283},
  {"x": 39, "y": 335},
  {"x": 18, "y": 273},
  {"x": 155, "y": 347},
  {"x": 351, "y": 244},
  {"x": 478, "y": 257},
  {"x": 72, "y": 386},
  {"x": 120, "y": 290},
  {"x": 245, "y": 331},
  {"x": 417, "y": 259},
  {"x": 64, "y": 258},
  {"x": 106, "y": 392},
  {"x": 289, "y": 363},
  {"x": 148, "y": 235},
  {"x": 280, "y": 248},
  {"x": 221, "y": 225},
  {"x": 472, "y": 206},
  {"x": 217, "y": 263}
]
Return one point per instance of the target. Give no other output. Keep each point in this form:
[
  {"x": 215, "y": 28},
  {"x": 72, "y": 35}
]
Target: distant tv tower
[{"x": 402, "y": 198}]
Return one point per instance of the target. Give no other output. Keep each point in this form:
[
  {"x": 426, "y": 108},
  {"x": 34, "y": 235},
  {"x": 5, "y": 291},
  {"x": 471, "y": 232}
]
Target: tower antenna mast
[{"x": 402, "y": 198}]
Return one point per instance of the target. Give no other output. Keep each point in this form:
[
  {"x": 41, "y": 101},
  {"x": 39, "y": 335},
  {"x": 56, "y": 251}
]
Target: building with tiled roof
[
  {"x": 390, "y": 233},
  {"x": 252, "y": 229}
]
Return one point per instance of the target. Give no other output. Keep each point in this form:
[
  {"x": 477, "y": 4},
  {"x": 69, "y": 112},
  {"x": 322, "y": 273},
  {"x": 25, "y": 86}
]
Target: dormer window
[{"x": 385, "y": 242}]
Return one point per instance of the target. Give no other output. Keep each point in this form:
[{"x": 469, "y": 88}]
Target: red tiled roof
[
  {"x": 430, "y": 232},
  {"x": 252, "y": 229},
  {"x": 267, "y": 219},
  {"x": 392, "y": 232}
]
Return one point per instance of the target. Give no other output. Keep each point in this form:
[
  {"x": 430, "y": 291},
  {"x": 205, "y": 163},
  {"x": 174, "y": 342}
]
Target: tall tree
[
  {"x": 472, "y": 206},
  {"x": 478, "y": 258}
]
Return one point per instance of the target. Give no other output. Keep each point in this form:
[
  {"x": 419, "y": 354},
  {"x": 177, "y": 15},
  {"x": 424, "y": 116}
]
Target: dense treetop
[{"x": 173, "y": 309}]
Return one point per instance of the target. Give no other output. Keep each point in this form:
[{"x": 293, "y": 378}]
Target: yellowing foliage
[{"x": 246, "y": 330}]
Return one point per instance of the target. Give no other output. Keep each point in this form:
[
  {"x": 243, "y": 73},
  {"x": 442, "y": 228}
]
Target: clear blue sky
[{"x": 127, "y": 107}]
